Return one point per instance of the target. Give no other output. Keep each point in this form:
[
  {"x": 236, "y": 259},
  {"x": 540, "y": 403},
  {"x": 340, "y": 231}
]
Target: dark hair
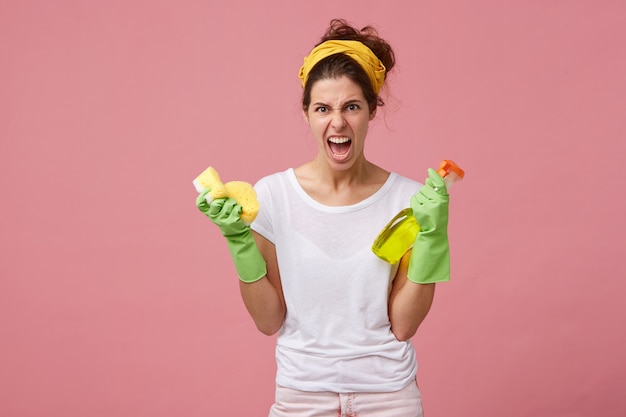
[{"x": 338, "y": 65}]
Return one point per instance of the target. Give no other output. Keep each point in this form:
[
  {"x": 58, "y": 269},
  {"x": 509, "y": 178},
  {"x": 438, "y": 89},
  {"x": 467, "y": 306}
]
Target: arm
[
  {"x": 255, "y": 261},
  {"x": 264, "y": 298},
  {"x": 427, "y": 263},
  {"x": 409, "y": 302}
]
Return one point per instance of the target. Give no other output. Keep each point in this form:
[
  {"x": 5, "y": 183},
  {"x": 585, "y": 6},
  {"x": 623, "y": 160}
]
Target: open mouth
[{"x": 339, "y": 147}]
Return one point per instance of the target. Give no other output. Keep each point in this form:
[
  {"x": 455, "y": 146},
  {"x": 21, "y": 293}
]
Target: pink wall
[{"x": 117, "y": 297}]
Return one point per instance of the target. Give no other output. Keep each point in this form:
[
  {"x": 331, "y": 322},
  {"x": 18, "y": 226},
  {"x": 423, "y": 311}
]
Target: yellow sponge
[
  {"x": 245, "y": 195},
  {"x": 209, "y": 178},
  {"x": 241, "y": 191}
]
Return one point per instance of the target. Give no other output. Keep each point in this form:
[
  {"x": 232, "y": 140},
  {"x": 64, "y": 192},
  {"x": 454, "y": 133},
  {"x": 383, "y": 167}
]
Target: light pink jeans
[{"x": 404, "y": 403}]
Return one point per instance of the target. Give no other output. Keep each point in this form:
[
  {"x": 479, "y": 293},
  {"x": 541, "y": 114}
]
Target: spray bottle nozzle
[{"x": 448, "y": 166}]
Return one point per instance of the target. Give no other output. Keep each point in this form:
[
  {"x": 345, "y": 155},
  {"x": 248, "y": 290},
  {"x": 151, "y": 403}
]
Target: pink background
[{"x": 117, "y": 298}]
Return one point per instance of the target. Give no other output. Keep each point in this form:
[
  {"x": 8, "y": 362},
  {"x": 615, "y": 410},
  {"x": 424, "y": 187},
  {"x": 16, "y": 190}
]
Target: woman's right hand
[{"x": 225, "y": 213}]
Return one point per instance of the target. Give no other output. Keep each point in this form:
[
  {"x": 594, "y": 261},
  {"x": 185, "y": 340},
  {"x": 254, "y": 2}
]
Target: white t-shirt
[{"x": 336, "y": 335}]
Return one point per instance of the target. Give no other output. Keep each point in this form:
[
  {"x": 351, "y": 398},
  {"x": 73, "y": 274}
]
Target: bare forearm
[
  {"x": 264, "y": 298},
  {"x": 408, "y": 308},
  {"x": 409, "y": 303},
  {"x": 264, "y": 304}
]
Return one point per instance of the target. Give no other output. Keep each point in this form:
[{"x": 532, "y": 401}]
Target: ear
[
  {"x": 305, "y": 116},
  {"x": 373, "y": 114}
]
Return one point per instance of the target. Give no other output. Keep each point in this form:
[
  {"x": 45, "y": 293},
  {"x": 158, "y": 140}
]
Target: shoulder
[
  {"x": 400, "y": 182},
  {"x": 270, "y": 186},
  {"x": 274, "y": 178}
]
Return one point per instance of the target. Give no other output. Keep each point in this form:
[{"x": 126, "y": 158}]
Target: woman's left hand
[{"x": 430, "y": 258}]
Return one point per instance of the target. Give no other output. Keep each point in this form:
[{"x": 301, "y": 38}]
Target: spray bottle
[{"x": 398, "y": 236}]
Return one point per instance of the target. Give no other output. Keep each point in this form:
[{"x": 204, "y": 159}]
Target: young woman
[{"x": 344, "y": 317}]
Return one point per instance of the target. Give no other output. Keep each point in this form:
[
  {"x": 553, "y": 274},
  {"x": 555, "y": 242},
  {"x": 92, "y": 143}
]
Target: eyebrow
[{"x": 351, "y": 101}]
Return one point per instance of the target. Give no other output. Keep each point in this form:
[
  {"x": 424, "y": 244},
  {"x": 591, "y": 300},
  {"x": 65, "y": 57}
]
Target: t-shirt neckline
[{"x": 291, "y": 175}]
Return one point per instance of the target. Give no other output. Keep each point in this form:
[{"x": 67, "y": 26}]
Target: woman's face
[{"x": 339, "y": 118}]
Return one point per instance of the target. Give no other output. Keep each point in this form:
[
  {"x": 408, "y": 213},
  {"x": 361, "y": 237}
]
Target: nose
[{"x": 338, "y": 121}]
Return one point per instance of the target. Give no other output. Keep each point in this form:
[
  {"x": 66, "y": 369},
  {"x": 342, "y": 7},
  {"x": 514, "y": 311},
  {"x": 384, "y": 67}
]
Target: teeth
[{"x": 338, "y": 140}]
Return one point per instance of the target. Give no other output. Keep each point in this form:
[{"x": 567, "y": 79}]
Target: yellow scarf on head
[{"x": 355, "y": 50}]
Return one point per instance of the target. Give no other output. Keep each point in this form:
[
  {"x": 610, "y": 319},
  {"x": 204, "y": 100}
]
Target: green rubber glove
[
  {"x": 430, "y": 259},
  {"x": 224, "y": 212}
]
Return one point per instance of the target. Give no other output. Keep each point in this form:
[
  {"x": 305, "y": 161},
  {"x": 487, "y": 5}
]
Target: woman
[{"x": 306, "y": 269}]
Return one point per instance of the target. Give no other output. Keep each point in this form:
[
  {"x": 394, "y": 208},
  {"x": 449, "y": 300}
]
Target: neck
[
  {"x": 336, "y": 179},
  {"x": 340, "y": 187}
]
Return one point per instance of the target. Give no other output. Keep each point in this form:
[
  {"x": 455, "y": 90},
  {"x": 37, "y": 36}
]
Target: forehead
[{"x": 336, "y": 90}]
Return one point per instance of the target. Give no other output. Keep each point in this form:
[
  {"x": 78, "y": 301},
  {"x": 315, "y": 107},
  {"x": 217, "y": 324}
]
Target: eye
[
  {"x": 321, "y": 109},
  {"x": 353, "y": 107}
]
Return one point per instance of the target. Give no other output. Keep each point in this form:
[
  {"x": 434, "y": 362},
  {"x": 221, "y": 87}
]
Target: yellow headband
[{"x": 355, "y": 50}]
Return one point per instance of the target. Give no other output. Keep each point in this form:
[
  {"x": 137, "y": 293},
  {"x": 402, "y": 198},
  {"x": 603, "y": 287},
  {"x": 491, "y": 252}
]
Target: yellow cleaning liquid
[{"x": 398, "y": 236}]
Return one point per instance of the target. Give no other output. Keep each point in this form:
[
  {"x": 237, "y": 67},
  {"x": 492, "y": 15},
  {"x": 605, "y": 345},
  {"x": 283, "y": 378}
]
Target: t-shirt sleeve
[{"x": 263, "y": 222}]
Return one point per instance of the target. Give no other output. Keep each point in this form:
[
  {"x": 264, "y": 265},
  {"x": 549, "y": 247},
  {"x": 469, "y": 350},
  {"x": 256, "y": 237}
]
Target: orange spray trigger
[
  {"x": 447, "y": 166},
  {"x": 450, "y": 172}
]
